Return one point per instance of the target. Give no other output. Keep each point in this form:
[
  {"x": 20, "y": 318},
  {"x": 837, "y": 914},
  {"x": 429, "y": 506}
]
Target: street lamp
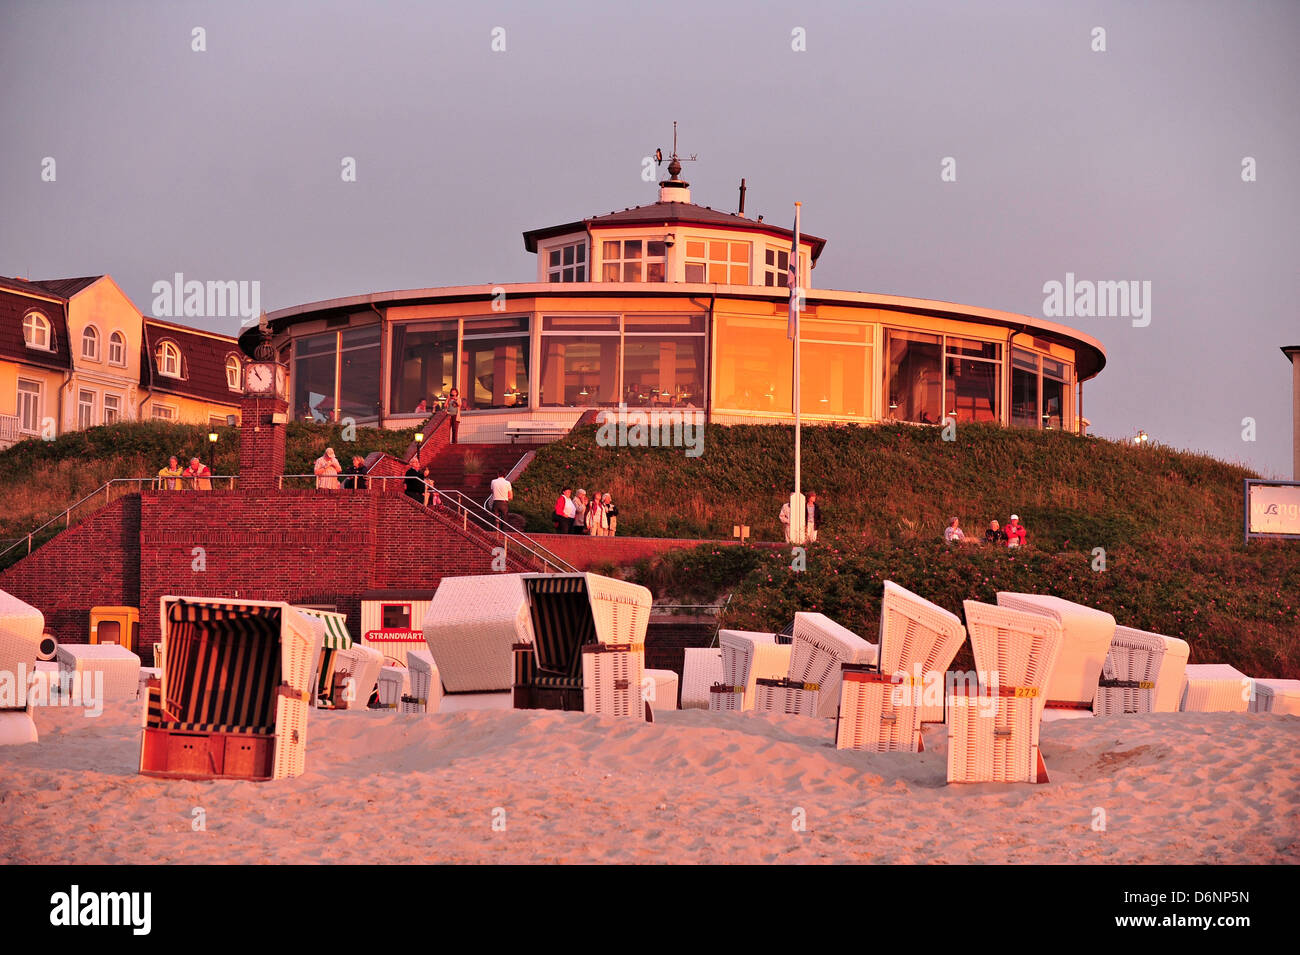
[
  {"x": 1141, "y": 438},
  {"x": 212, "y": 437}
]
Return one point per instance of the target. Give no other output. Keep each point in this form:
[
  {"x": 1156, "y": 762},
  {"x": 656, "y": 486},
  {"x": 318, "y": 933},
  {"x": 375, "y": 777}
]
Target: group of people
[
  {"x": 328, "y": 468},
  {"x": 1013, "y": 535},
  {"x": 814, "y": 519},
  {"x": 453, "y": 406},
  {"x": 579, "y": 514},
  {"x": 196, "y": 477}
]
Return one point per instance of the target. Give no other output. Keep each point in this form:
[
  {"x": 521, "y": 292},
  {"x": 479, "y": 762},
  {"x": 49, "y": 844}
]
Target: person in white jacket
[{"x": 784, "y": 518}]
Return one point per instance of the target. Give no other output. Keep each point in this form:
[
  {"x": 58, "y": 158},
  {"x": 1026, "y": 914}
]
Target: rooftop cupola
[{"x": 674, "y": 188}]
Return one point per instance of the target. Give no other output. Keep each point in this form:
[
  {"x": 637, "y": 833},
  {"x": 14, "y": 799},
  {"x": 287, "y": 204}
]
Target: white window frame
[
  {"x": 33, "y": 320},
  {"x": 555, "y": 273},
  {"x": 117, "y": 408},
  {"x": 117, "y": 341},
  {"x": 233, "y": 381},
  {"x": 90, "y": 334},
  {"x": 708, "y": 262},
  {"x": 86, "y": 410},
  {"x": 164, "y": 349},
  {"x": 642, "y": 262},
  {"x": 171, "y": 412},
  {"x": 36, "y": 393}
]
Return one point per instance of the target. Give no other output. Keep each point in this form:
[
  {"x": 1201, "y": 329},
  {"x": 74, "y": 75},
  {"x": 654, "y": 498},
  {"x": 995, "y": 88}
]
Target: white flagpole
[{"x": 798, "y": 508}]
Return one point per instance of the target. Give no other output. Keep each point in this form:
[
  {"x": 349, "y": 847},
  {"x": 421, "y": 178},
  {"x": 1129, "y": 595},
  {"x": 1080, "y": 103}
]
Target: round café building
[{"x": 674, "y": 305}]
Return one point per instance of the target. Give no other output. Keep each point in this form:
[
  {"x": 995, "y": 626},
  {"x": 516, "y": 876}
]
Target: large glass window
[
  {"x": 1024, "y": 389},
  {"x": 914, "y": 377},
  {"x": 724, "y": 263},
  {"x": 1040, "y": 390},
  {"x": 359, "y": 373},
  {"x": 423, "y": 365},
  {"x": 663, "y": 361},
  {"x": 579, "y": 361},
  {"x": 834, "y": 368},
  {"x": 314, "y": 367},
  {"x": 755, "y": 363},
  {"x": 633, "y": 260},
  {"x": 974, "y": 378},
  {"x": 494, "y": 364},
  {"x": 567, "y": 263},
  {"x": 1055, "y": 391}
]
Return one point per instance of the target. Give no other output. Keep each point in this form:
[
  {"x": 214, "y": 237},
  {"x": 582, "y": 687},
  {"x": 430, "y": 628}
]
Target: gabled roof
[
  {"x": 203, "y": 362},
  {"x": 17, "y": 298},
  {"x": 66, "y": 288},
  {"x": 675, "y": 213}
]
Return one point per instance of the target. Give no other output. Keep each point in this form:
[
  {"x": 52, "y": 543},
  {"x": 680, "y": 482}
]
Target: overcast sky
[{"x": 1117, "y": 165}]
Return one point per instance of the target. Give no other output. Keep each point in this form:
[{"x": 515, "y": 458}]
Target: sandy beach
[{"x": 494, "y": 785}]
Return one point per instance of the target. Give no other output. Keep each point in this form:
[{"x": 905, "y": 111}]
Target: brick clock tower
[{"x": 264, "y": 414}]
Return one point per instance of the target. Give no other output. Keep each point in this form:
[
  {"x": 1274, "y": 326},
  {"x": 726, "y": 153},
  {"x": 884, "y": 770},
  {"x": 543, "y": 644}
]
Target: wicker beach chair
[
  {"x": 426, "y": 684},
  {"x": 235, "y": 691},
  {"x": 390, "y": 688},
  {"x": 356, "y": 675},
  {"x": 920, "y": 639},
  {"x": 470, "y": 627},
  {"x": 661, "y": 689},
  {"x": 21, "y": 632},
  {"x": 569, "y": 612},
  {"x": 117, "y": 666},
  {"x": 1130, "y": 675},
  {"x": 993, "y": 726},
  {"x": 786, "y": 695},
  {"x": 820, "y": 646},
  {"x": 334, "y": 637},
  {"x": 1215, "y": 688},
  {"x": 746, "y": 656},
  {"x": 1276, "y": 696},
  {"x": 611, "y": 680},
  {"x": 701, "y": 670},
  {"x": 1086, "y": 635}
]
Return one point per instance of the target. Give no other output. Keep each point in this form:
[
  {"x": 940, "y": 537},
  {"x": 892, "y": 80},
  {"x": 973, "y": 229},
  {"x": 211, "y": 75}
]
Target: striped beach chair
[
  {"x": 235, "y": 691},
  {"x": 334, "y": 637},
  {"x": 569, "y": 612}
]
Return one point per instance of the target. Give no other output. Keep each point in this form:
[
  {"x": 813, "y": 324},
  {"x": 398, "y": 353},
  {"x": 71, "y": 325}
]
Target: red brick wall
[
  {"x": 583, "y": 550},
  {"x": 261, "y": 443},
  {"x": 94, "y": 564}
]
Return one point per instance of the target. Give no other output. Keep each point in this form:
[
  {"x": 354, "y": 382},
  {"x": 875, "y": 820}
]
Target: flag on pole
[{"x": 792, "y": 279}]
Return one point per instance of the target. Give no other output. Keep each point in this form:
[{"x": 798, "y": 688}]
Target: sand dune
[{"x": 693, "y": 787}]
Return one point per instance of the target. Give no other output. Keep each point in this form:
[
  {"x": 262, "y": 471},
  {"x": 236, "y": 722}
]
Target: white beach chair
[
  {"x": 392, "y": 684},
  {"x": 1172, "y": 674},
  {"x": 470, "y": 627},
  {"x": 661, "y": 689},
  {"x": 820, "y": 646},
  {"x": 921, "y": 639},
  {"x": 746, "y": 656},
  {"x": 115, "y": 664},
  {"x": 1129, "y": 675},
  {"x": 611, "y": 680},
  {"x": 993, "y": 728},
  {"x": 426, "y": 684},
  {"x": 21, "y": 630},
  {"x": 784, "y": 695},
  {"x": 1086, "y": 635},
  {"x": 1276, "y": 696},
  {"x": 356, "y": 673},
  {"x": 1215, "y": 688},
  {"x": 701, "y": 669}
]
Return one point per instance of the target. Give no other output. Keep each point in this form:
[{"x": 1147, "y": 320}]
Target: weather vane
[{"x": 659, "y": 154}]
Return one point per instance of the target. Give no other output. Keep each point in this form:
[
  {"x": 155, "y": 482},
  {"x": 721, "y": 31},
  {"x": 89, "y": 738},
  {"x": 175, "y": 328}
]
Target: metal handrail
[
  {"x": 470, "y": 512},
  {"x": 66, "y": 514}
]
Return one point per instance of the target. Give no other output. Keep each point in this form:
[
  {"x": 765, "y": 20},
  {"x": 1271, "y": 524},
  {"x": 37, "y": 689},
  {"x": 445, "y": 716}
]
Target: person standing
[
  {"x": 814, "y": 517},
  {"x": 502, "y": 495},
  {"x": 453, "y": 413},
  {"x": 327, "y": 469},
  {"x": 198, "y": 477},
  {"x": 784, "y": 518},
  {"x": 356, "y": 474},
  {"x": 169, "y": 478},
  {"x": 611, "y": 516},
  {"x": 564, "y": 511},
  {"x": 415, "y": 481},
  {"x": 579, "y": 512},
  {"x": 596, "y": 516}
]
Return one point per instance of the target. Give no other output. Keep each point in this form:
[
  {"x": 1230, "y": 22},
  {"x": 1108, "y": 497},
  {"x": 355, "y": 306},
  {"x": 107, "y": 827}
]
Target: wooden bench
[{"x": 518, "y": 429}]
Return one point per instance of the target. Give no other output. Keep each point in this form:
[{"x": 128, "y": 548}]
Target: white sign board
[{"x": 1272, "y": 509}]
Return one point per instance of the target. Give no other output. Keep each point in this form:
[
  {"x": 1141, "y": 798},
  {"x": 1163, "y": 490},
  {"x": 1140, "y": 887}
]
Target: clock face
[
  {"x": 259, "y": 379},
  {"x": 282, "y": 381}
]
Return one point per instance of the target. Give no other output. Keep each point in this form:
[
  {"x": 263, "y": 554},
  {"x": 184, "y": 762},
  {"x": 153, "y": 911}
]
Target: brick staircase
[{"x": 447, "y": 469}]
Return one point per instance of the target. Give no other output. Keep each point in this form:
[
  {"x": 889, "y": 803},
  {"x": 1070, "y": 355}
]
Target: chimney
[{"x": 741, "y": 210}]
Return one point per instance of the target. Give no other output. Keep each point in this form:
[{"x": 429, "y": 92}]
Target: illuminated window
[
  {"x": 723, "y": 263},
  {"x": 633, "y": 260},
  {"x": 754, "y": 363},
  {"x": 663, "y": 361},
  {"x": 1056, "y": 381},
  {"x": 168, "y": 357},
  {"x": 567, "y": 263},
  {"x": 914, "y": 376},
  {"x": 494, "y": 364},
  {"x": 37, "y": 332},
  {"x": 776, "y": 268},
  {"x": 29, "y": 406},
  {"x": 85, "y": 409},
  {"x": 90, "y": 343},
  {"x": 973, "y": 383},
  {"x": 164, "y": 413},
  {"x": 835, "y": 368},
  {"x": 579, "y": 361},
  {"x": 233, "y": 368},
  {"x": 423, "y": 365},
  {"x": 112, "y": 409},
  {"x": 117, "y": 349}
]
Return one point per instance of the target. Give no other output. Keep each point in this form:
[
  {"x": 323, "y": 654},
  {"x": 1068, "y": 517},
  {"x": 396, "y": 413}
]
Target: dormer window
[
  {"x": 90, "y": 343},
  {"x": 37, "y": 332},
  {"x": 168, "y": 357},
  {"x": 567, "y": 263},
  {"x": 233, "y": 368},
  {"x": 634, "y": 260}
]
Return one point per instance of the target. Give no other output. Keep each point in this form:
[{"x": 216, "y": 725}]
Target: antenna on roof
[{"x": 674, "y": 189}]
